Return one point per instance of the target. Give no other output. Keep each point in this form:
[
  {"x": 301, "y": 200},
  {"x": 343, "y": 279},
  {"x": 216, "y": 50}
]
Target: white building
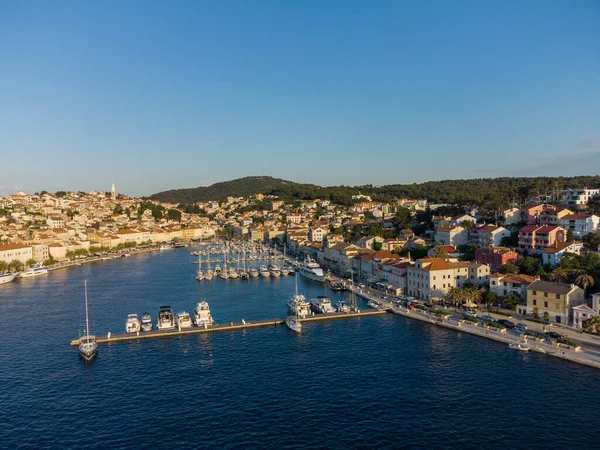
[
  {"x": 55, "y": 222},
  {"x": 10, "y": 252},
  {"x": 454, "y": 236},
  {"x": 579, "y": 196},
  {"x": 580, "y": 224}
]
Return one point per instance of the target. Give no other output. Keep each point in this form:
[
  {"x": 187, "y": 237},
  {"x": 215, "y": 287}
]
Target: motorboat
[
  {"x": 34, "y": 271},
  {"x": 166, "y": 320},
  {"x": 132, "y": 325},
  {"x": 321, "y": 305},
  {"x": 162, "y": 248},
  {"x": 7, "y": 277},
  {"x": 146, "y": 322},
  {"x": 310, "y": 269},
  {"x": 202, "y": 314},
  {"x": 520, "y": 347},
  {"x": 293, "y": 323},
  {"x": 233, "y": 274},
  {"x": 285, "y": 270},
  {"x": 200, "y": 275},
  {"x": 253, "y": 272},
  {"x": 264, "y": 272},
  {"x": 275, "y": 271},
  {"x": 183, "y": 320},
  {"x": 88, "y": 347}
]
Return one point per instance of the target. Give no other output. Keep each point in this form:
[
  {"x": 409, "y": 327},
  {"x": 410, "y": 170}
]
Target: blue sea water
[{"x": 372, "y": 382}]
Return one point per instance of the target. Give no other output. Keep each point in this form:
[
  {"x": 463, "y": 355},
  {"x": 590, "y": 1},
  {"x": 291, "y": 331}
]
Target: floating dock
[{"x": 122, "y": 337}]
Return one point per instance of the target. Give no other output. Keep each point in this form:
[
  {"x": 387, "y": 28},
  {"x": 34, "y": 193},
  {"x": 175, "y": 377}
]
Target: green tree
[
  {"x": 174, "y": 214},
  {"x": 490, "y": 299},
  {"x": 440, "y": 253},
  {"x": 15, "y": 265},
  {"x": 559, "y": 275},
  {"x": 529, "y": 265},
  {"x": 402, "y": 217},
  {"x": 584, "y": 280},
  {"x": 49, "y": 262},
  {"x": 546, "y": 317},
  {"x": 508, "y": 268},
  {"x": 30, "y": 262},
  {"x": 377, "y": 245},
  {"x": 536, "y": 312},
  {"x": 118, "y": 210},
  {"x": 511, "y": 301},
  {"x": 570, "y": 237},
  {"x": 3, "y": 267}
]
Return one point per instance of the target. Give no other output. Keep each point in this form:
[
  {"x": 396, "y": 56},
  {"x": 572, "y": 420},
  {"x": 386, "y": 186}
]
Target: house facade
[
  {"x": 495, "y": 257},
  {"x": 556, "y": 299},
  {"x": 554, "y": 253},
  {"x": 505, "y": 284},
  {"x": 535, "y": 238}
]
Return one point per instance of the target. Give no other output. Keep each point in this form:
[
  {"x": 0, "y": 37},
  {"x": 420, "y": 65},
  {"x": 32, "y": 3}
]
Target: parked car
[
  {"x": 488, "y": 318},
  {"x": 521, "y": 327},
  {"x": 508, "y": 324},
  {"x": 470, "y": 314},
  {"x": 555, "y": 335}
]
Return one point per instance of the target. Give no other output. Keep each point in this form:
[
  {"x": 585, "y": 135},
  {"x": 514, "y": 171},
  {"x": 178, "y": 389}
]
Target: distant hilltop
[{"x": 474, "y": 191}]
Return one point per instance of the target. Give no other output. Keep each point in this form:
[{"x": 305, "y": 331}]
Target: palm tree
[
  {"x": 15, "y": 265},
  {"x": 584, "y": 280},
  {"x": 3, "y": 267},
  {"x": 559, "y": 275}
]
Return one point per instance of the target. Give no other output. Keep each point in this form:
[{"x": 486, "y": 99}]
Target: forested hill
[{"x": 488, "y": 191}]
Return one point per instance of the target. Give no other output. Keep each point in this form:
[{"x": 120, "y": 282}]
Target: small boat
[
  {"x": 133, "y": 324},
  {"x": 264, "y": 272},
  {"x": 293, "y": 323},
  {"x": 202, "y": 315},
  {"x": 166, "y": 321},
  {"x": 520, "y": 347},
  {"x": 146, "y": 322},
  {"x": 253, "y": 272},
  {"x": 200, "y": 274},
  {"x": 285, "y": 270},
  {"x": 183, "y": 320},
  {"x": 34, "y": 271},
  {"x": 7, "y": 277},
  {"x": 342, "y": 307},
  {"x": 208, "y": 275},
  {"x": 164, "y": 247},
  {"x": 233, "y": 274},
  {"x": 298, "y": 304},
  {"x": 335, "y": 286},
  {"x": 88, "y": 347}
]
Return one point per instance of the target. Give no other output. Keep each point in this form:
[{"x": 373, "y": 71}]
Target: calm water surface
[{"x": 376, "y": 382}]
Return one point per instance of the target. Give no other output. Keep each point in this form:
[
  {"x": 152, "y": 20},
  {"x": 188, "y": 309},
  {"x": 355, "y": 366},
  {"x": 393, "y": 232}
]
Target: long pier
[{"x": 232, "y": 326}]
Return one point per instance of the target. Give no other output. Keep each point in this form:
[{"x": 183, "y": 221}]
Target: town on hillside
[{"x": 540, "y": 259}]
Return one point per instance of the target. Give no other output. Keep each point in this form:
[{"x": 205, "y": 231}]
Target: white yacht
[
  {"x": 342, "y": 307},
  {"x": 133, "y": 324},
  {"x": 520, "y": 347},
  {"x": 321, "y": 305},
  {"x": 202, "y": 315},
  {"x": 164, "y": 247},
  {"x": 253, "y": 272},
  {"x": 233, "y": 274},
  {"x": 298, "y": 304},
  {"x": 88, "y": 347},
  {"x": 293, "y": 323},
  {"x": 264, "y": 272},
  {"x": 183, "y": 320},
  {"x": 310, "y": 269},
  {"x": 166, "y": 321},
  {"x": 34, "y": 271},
  {"x": 146, "y": 322},
  {"x": 275, "y": 270},
  {"x": 7, "y": 277}
]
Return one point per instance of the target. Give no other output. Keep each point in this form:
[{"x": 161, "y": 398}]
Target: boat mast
[{"x": 87, "y": 320}]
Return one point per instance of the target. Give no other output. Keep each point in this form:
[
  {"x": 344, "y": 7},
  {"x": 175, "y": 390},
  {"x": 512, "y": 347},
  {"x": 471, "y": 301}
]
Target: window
[
  {"x": 558, "y": 296},
  {"x": 434, "y": 277},
  {"x": 444, "y": 285},
  {"x": 545, "y": 304},
  {"x": 493, "y": 283},
  {"x": 534, "y": 302},
  {"x": 545, "y": 294},
  {"x": 534, "y": 292}
]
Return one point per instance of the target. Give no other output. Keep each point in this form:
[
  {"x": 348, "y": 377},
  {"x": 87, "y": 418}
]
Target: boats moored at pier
[
  {"x": 146, "y": 322},
  {"x": 202, "y": 314},
  {"x": 7, "y": 277},
  {"x": 321, "y": 305},
  {"x": 88, "y": 347},
  {"x": 264, "y": 272},
  {"x": 132, "y": 325},
  {"x": 34, "y": 271},
  {"x": 183, "y": 320},
  {"x": 293, "y": 323},
  {"x": 166, "y": 320}
]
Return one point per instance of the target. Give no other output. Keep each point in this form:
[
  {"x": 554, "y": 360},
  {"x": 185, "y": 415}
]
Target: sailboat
[
  {"x": 88, "y": 347},
  {"x": 224, "y": 274},
  {"x": 200, "y": 274},
  {"x": 291, "y": 320},
  {"x": 208, "y": 274}
]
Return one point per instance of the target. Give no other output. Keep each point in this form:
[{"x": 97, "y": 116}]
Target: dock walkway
[{"x": 123, "y": 337}]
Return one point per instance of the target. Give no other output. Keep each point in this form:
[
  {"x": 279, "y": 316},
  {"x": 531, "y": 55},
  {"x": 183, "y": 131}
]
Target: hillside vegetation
[{"x": 491, "y": 192}]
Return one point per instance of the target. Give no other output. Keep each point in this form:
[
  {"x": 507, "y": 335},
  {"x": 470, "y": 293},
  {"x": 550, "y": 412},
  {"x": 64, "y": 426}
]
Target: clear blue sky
[{"x": 155, "y": 95}]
